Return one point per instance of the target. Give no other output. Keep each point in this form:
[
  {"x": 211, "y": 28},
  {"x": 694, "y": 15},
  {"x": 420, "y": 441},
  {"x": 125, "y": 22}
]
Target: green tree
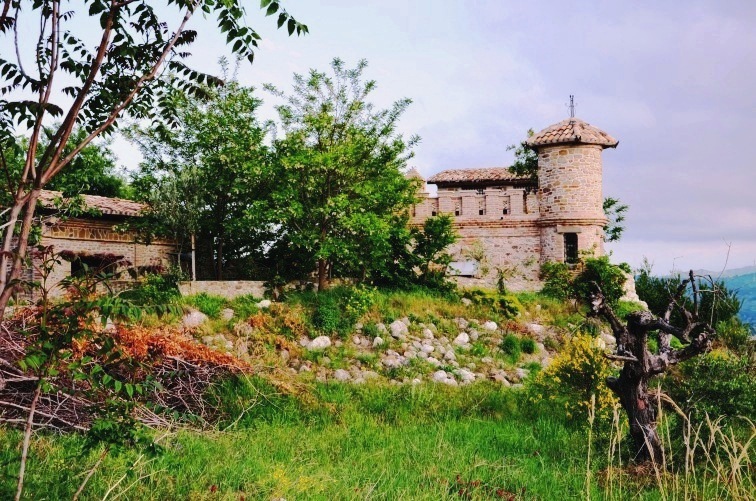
[
  {"x": 104, "y": 81},
  {"x": 337, "y": 182},
  {"x": 615, "y": 214},
  {"x": 202, "y": 174}
]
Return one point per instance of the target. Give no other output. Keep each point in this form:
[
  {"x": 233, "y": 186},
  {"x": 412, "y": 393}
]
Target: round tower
[{"x": 570, "y": 196}]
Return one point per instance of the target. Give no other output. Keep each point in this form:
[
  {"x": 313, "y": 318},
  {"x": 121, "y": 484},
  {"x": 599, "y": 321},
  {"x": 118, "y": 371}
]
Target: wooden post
[{"x": 194, "y": 266}]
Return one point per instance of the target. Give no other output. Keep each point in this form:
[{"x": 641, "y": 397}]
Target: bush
[
  {"x": 511, "y": 346},
  {"x": 718, "y": 303},
  {"x": 560, "y": 283},
  {"x": 577, "y": 372},
  {"x": 207, "y": 304},
  {"x": 720, "y": 383},
  {"x": 598, "y": 270},
  {"x": 557, "y": 280},
  {"x": 153, "y": 290},
  {"x": 528, "y": 345}
]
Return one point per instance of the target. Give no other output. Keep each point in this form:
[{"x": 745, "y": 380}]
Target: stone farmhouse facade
[
  {"x": 94, "y": 240},
  {"x": 511, "y": 225}
]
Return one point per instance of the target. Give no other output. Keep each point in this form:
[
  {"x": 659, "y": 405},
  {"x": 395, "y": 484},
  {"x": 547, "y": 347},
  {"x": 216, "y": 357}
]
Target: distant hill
[{"x": 745, "y": 285}]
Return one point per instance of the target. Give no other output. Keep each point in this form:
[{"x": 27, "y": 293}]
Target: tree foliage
[
  {"x": 615, "y": 214},
  {"x": 58, "y": 74},
  {"x": 336, "y": 182},
  {"x": 201, "y": 175}
]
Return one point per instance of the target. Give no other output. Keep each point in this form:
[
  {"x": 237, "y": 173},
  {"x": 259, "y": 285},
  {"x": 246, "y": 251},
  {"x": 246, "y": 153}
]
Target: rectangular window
[
  {"x": 458, "y": 207},
  {"x": 481, "y": 191},
  {"x": 570, "y": 248}
]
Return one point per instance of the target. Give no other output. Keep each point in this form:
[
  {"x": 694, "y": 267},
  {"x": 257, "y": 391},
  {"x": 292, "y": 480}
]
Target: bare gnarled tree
[{"x": 640, "y": 365}]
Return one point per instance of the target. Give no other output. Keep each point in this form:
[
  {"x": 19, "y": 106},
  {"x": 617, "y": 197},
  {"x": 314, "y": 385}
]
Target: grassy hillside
[{"x": 450, "y": 404}]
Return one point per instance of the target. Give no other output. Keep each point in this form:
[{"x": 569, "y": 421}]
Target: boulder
[
  {"x": 398, "y": 329},
  {"x": 320, "y": 343},
  {"x": 490, "y": 326},
  {"x": 193, "y": 319},
  {"x": 462, "y": 339}
]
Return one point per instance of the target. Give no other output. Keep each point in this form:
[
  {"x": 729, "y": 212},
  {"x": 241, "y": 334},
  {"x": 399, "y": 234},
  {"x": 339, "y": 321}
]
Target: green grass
[{"x": 352, "y": 442}]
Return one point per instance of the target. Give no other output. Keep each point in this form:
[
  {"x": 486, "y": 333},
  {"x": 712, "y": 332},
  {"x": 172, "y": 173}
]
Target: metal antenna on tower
[{"x": 571, "y": 106}]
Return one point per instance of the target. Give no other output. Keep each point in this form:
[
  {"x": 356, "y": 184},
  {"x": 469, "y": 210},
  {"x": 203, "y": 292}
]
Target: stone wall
[
  {"x": 570, "y": 181},
  {"x": 513, "y": 246},
  {"x": 90, "y": 237},
  {"x": 228, "y": 289}
]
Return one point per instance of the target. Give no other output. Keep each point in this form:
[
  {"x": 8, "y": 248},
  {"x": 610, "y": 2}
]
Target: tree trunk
[
  {"x": 640, "y": 365},
  {"x": 322, "y": 274},
  {"x": 632, "y": 389},
  {"x": 20, "y": 250}
]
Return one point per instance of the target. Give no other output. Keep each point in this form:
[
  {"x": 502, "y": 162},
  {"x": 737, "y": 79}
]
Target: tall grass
[{"x": 712, "y": 459}]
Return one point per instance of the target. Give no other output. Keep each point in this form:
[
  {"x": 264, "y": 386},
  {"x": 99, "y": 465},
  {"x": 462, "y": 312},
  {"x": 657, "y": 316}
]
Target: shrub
[
  {"x": 718, "y": 304},
  {"x": 557, "y": 280},
  {"x": 577, "y": 372},
  {"x": 153, "y": 290},
  {"x": 528, "y": 345},
  {"x": 720, "y": 383},
  {"x": 598, "y": 270},
  {"x": 206, "y": 303},
  {"x": 511, "y": 346}
]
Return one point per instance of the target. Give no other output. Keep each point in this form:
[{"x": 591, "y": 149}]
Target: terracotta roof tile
[
  {"x": 475, "y": 176},
  {"x": 111, "y": 206},
  {"x": 572, "y": 130}
]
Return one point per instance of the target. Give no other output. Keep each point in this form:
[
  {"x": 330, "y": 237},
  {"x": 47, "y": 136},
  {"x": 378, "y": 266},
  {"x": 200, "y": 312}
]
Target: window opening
[{"x": 570, "y": 248}]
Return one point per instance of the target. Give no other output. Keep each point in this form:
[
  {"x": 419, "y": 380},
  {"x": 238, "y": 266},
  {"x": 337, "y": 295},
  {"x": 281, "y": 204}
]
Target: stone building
[
  {"x": 91, "y": 240},
  {"x": 509, "y": 224}
]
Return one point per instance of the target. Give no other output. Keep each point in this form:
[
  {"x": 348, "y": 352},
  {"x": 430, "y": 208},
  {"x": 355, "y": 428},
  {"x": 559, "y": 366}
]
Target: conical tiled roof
[{"x": 572, "y": 131}]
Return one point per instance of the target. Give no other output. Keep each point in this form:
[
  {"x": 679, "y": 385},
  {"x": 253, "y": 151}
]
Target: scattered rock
[
  {"x": 358, "y": 326},
  {"x": 416, "y": 381},
  {"x": 461, "y": 323},
  {"x": 265, "y": 303},
  {"x": 462, "y": 339},
  {"x": 427, "y": 333},
  {"x": 490, "y": 326},
  {"x": 319, "y": 343},
  {"x": 405, "y": 321},
  {"x": 227, "y": 314},
  {"x": 381, "y": 327},
  {"x": 536, "y": 329},
  {"x": 521, "y": 373},
  {"x": 434, "y": 361},
  {"x": 341, "y": 375},
  {"x": 465, "y": 376},
  {"x": 427, "y": 348},
  {"x": 378, "y": 341},
  {"x": 466, "y": 301},
  {"x": 285, "y": 355},
  {"x": 474, "y": 335},
  {"x": 398, "y": 329},
  {"x": 450, "y": 355},
  {"x": 193, "y": 319}
]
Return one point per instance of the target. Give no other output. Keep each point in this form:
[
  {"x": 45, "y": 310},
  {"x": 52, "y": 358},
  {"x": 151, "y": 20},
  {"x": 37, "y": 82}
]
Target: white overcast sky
[{"x": 674, "y": 81}]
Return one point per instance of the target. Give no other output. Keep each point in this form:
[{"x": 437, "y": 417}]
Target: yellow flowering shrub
[{"x": 577, "y": 372}]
